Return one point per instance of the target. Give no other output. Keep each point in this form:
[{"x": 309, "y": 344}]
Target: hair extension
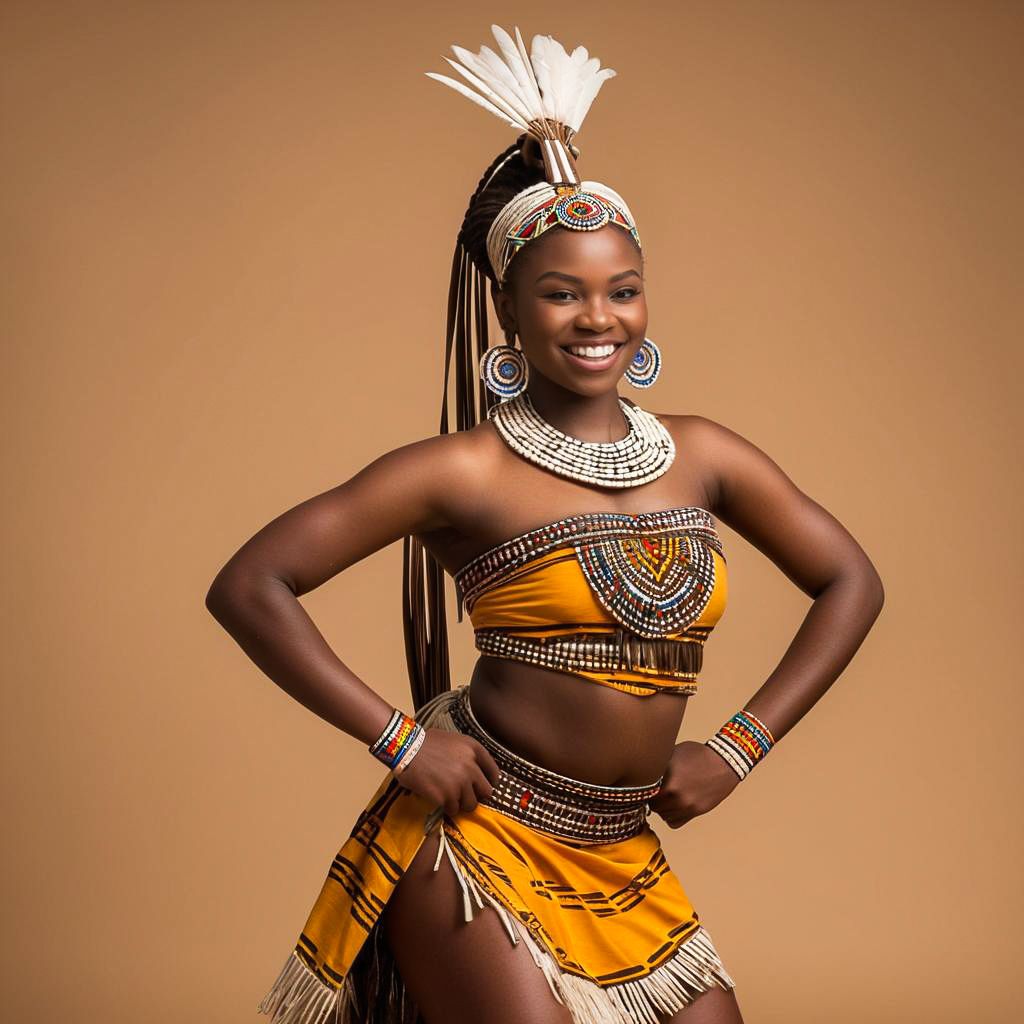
[{"x": 424, "y": 619}]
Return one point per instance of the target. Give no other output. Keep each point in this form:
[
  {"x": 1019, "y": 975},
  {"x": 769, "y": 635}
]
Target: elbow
[
  {"x": 227, "y": 594},
  {"x": 218, "y": 599},
  {"x": 238, "y": 591},
  {"x": 873, "y": 589}
]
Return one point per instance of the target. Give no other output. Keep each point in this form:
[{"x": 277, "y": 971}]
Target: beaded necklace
[{"x": 642, "y": 455}]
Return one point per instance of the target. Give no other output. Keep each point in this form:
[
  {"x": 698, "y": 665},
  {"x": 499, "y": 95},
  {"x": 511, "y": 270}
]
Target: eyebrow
[{"x": 579, "y": 280}]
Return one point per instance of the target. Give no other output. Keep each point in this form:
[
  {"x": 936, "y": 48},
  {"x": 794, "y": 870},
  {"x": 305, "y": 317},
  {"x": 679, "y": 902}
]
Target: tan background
[{"x": 225, "y": 223}]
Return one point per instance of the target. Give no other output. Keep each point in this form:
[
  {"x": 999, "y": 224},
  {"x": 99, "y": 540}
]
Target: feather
[
  {"x": 475, "y": 97},
  {"x": 546, "y": 92},
  {"x": 527, "y": 84},
  {"x": 545, "y": 79},
  {"x": 485, "y": 89},
  {"x": 589, "y": 91},
  {"x": 504, "y": 85},
  {"x": 528, "y": 64}
]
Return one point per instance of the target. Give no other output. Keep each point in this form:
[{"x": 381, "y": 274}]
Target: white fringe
[
  {"x": 692, "y": 969},
  {"x": 298, "y": 996}
]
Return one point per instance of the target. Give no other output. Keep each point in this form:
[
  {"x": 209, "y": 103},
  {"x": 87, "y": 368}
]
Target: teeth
[{"x": 592, "y": 351}]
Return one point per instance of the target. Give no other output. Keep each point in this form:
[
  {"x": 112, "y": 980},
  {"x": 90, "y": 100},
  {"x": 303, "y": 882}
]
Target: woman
[{"x": 579, "y": 530}]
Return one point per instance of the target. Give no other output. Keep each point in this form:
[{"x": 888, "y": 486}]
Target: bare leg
[
  {"x": 716, "y": 1006},
  {"x": 458, "y": 971}
]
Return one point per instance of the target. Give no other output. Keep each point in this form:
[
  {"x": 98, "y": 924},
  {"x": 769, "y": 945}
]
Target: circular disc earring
[
  {"x": 646, "y": 365},
  {"x": 503, "y": 370}
]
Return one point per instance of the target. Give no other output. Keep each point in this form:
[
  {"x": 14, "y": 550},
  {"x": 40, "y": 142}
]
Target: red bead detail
[
  {"x": 525, "y": 799},
  {"x": 591, "y": 820}
]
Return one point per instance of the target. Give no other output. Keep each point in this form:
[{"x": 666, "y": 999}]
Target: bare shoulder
[
  {"x": 753, "y": 495},
  {"x": 701, "y": 441},
  {"x": 454, "y": 469}
]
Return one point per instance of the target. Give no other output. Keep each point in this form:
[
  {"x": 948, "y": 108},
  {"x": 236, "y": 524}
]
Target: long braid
[{"x": 424, "y": 621}]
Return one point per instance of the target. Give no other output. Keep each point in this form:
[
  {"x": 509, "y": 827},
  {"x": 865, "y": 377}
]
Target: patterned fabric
[
  {"x": 607, "y": 921},
  {"x": 623, "y": 600}
]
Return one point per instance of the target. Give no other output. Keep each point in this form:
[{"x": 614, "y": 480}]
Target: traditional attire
[
  {"x": 622, "y": 601},
  {"x": 572, "y": 868}
]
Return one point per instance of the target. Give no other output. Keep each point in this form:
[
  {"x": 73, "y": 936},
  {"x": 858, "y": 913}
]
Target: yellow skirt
[{"x": 573, "y": 870}]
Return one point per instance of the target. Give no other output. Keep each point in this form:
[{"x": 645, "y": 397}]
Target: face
[{"x": 572, "y": 289}]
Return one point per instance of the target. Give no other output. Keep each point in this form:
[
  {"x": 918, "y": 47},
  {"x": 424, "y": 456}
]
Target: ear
[{"x": 504, "y": 307}]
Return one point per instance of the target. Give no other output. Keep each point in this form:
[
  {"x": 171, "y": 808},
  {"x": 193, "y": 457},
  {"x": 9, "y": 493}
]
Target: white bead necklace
[{"x": 643, "y": 454}]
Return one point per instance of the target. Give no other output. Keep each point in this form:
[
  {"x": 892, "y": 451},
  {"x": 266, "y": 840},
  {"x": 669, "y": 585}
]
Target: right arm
[{"x": 255, "y": 598}]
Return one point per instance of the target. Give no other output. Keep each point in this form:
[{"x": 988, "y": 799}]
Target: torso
[{"x": 564, "y": 722}]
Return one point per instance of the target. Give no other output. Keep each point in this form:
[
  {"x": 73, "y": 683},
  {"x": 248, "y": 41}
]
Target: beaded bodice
[{"x": 624, "y": 600}]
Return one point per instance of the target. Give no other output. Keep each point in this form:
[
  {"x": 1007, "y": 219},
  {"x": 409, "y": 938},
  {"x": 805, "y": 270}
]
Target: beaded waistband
[{"x": 555, "y": 804}]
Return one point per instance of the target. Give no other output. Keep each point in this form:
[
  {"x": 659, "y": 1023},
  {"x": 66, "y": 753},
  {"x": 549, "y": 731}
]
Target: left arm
[
  {"x": 756, "y": 499},
  {"x": 816, "y": 552}
]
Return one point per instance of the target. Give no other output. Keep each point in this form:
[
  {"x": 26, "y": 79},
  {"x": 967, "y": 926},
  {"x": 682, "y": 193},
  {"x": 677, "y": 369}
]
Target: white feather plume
[{"x": 544, "y": 91}]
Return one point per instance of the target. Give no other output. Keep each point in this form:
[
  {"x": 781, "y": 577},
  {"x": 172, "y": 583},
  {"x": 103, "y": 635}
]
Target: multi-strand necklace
[{"x": 643, "y": 454}]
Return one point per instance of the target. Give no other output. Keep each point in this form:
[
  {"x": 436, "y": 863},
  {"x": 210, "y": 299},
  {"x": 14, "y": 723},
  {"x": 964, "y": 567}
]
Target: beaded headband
[
  {"x": 529, "y": 214},
  {"x": 546, "y": 94}
]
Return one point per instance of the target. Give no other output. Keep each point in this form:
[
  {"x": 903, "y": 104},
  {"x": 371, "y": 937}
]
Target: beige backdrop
[{"x": 225, "y": 224}]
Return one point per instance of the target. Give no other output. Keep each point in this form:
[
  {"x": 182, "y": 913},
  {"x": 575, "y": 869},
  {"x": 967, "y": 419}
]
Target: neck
[{"x": 587, "y": 418}]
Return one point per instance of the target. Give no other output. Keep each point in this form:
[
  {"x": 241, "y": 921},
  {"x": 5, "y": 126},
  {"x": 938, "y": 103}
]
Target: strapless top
[{"x": 619, "y": 599}]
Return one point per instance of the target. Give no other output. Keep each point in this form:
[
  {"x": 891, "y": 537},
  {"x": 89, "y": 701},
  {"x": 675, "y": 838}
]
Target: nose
[{"x": 595, "y": 316}]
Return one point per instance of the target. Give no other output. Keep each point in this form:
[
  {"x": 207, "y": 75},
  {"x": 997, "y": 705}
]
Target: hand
[
  {"x": 696, "y": 780},
  {"x": 450, "y": 770}
]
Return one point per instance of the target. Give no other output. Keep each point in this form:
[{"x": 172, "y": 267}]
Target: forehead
[{"x": 598, "y": 253}]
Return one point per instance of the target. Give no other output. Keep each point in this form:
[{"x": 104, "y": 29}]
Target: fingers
[
  {"x": 481, "y": 787},
  {"x": 487, "y": 763}
]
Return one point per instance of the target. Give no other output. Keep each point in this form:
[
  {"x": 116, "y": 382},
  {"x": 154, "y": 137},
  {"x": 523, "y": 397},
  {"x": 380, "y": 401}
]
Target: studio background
[{"x": 227, "y": 236}]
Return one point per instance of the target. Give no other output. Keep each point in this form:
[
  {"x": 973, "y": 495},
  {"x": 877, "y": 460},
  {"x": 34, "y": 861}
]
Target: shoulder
[
  {"x": 709, "y": 446},
  {"x": 458, "y": 457},
  {"x": 449, "y": 471}
]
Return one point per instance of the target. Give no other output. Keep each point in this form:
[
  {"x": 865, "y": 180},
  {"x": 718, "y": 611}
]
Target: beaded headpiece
[{"x": 545, "y": 94}]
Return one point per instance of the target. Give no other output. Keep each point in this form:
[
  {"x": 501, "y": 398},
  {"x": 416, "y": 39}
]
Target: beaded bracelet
[
  {"x": 742, "y": 742},
  {"x": 397, "y": 744}
]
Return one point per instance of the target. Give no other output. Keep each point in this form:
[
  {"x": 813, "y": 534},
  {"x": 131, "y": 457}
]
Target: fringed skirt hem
[{"x": 298, "y": 996}]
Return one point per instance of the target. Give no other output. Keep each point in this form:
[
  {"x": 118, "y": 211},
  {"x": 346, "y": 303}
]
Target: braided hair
[{"x": 425, "y": 624}]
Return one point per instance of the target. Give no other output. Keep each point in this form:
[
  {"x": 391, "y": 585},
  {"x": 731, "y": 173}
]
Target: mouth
[{"x": 593, "y": 357}]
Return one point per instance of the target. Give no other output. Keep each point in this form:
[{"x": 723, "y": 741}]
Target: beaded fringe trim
[{"x": 620, "y": 651}]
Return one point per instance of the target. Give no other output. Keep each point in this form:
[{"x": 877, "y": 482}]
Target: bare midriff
[{"x": 574, "y": 726}]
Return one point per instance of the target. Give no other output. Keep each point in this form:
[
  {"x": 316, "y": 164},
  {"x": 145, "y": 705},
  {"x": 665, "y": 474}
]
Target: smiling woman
[
  {"x": 588, "y": 558},
  {"x": 577, "y": 322}
]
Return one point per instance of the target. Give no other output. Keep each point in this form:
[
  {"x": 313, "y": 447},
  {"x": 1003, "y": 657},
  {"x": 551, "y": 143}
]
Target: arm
[
  {"x": 817, "y": 553},
  {"x": 756, "y": 498},
  {"x": 255, "y": 595}
]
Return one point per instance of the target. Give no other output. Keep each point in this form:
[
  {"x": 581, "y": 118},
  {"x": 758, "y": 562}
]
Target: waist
[{"x": 558, "y": 805}]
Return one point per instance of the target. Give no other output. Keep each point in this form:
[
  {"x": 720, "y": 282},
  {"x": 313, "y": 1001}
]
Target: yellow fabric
[
  {"x": 608, "y": 912},
  {"x": 631, "y": 910},
  {"x": 550, "y": 596},
  {"x": 552, "y": 590},
  {"x": 609, "y": 923}
]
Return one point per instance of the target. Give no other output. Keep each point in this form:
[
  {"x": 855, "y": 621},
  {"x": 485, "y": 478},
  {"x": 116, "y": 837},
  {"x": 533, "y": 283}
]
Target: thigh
[
  {"x": 458, "y": 971},
  {"x": 716, "y": 1006}
]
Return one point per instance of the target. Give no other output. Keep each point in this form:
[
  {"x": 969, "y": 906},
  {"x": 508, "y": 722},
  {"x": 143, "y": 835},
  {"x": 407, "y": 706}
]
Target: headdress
[{"x": 546, "y": 95}]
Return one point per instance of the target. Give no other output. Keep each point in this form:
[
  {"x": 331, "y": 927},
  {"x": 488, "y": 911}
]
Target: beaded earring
[
  {"x": 503, "y": 370},
  {"x": 646, "y": 365}
]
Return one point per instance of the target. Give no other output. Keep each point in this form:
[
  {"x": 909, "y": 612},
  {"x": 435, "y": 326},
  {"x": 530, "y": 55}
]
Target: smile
[{"x": 594, "y": 357}]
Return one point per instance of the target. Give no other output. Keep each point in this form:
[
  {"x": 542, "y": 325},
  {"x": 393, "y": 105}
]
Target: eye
[
  {"x": 555, "y": 295},
  {"x": 631, "y": 292}
]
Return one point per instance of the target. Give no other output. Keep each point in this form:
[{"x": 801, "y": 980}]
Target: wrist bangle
[
  {"x": 417, "y": 742},
  {"x": 742, "y": 742},
  {"x": 395, "y": 744}
]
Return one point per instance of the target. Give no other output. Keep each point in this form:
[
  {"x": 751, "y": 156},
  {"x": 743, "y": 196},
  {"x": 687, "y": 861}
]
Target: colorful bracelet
[
  {"x": 399, "y": 741},
  {"x": 742, "y": 742},
  {"x": 400, "y": 766}
]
